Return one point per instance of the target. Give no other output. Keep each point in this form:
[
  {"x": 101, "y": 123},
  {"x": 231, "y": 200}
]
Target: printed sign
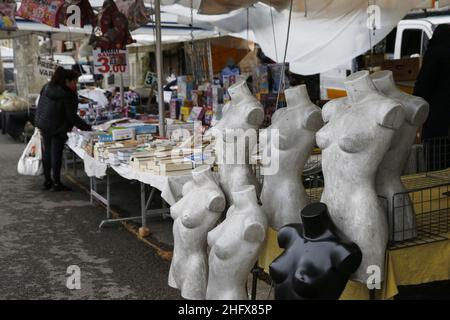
[
  {"x": 110, "y": 61},
  {"x": 150, "y": 79},
  {"x": 46, "y": 68}
]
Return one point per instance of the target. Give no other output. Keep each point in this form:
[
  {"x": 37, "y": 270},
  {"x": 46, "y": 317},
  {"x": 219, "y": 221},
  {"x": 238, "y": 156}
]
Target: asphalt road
[{"x": 43, "y": 233}]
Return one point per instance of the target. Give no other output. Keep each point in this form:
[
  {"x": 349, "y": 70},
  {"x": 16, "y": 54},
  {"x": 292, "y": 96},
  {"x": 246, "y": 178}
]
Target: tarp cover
[{"x": 327, "y": 34}]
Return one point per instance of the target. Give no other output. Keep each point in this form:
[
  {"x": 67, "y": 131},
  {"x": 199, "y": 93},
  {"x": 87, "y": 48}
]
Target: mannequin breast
[
  {"x": 230, "y": 261},
  {"x": 283, "y": 195},
  {"x": 311, "y": 272}
]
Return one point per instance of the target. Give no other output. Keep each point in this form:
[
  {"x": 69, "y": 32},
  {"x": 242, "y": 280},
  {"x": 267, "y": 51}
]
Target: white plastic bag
[{"x": 30, "y": 163}]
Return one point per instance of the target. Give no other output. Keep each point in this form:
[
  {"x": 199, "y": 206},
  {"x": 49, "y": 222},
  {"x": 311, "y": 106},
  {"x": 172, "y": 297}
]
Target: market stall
[{"x": 257, "y": 171}]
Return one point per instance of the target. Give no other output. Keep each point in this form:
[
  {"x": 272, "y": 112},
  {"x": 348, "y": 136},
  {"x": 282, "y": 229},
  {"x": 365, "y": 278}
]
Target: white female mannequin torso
[
  {"x": 244, "y": 113},
  {"x": 235, "y": 245},
  {"x": 354, "y": 141},
  {"x": 283, "y": 195},
  {"x": 194, "y": 216},
  {"x": 402, "y": 222}
]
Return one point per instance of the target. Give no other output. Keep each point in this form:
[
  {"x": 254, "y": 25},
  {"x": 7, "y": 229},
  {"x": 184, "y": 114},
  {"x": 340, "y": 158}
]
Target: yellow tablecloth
[{"x": 408, "y": 266}]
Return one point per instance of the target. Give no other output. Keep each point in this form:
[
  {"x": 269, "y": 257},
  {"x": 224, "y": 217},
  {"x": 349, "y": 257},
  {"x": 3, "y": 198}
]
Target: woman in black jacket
[
  {"x": 433, "y": 84},
  {"x": 56, "y": 115}
]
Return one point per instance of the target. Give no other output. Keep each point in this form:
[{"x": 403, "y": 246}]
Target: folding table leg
[
  {"x": 143, "y": 230},
  {"x": 91, "y": 186},
  {"x": 108, "y": 198}
]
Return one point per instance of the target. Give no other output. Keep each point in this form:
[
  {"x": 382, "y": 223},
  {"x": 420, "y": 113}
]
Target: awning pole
[{"x": 159, "y": 68}]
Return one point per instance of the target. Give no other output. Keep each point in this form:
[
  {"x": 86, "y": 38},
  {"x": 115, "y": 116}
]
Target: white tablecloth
[{"x": 170, "y": 187}]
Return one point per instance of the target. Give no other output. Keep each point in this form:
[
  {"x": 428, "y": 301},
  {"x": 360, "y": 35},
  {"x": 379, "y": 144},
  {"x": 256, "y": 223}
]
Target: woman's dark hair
[
  {"x": 62, "y": 75},
  {"x": 441, "y": 36},
  {"x": 59, "y": 77},
  {"x": 72, "y": 75}
]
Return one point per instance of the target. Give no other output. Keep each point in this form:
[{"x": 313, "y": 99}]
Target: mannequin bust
[
  {"x": 235, "y": 246},
  {"x": 402, "y": 218},
  {"x": 243, "y": 117},
  {"x": 356, "y": 137},
  {"x": 318, "y": 259},
  {"x": 283, "y": 193},
  {"x": 194, "y": 216}
]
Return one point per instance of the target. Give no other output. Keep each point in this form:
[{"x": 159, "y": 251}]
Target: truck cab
[
  {"x": 408, "y": 40},
  {"x": 413, "y": 35}
]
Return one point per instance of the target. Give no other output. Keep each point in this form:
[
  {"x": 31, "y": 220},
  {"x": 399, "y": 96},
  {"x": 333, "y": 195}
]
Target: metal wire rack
[
  {"x": 437, "y": 153},
  {"x": 427, "y": 201}
]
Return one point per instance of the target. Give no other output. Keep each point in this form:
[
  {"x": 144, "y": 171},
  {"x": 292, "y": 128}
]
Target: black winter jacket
[
  {"x": 433, "y": 84},
  {"x": 56, "y": 112}
]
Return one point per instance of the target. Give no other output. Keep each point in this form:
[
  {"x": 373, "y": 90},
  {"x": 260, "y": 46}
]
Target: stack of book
[
  {"x": 169, "y": 165},
  {"x": 164, "y": 160},
  {"x": 124, "y": 156}
]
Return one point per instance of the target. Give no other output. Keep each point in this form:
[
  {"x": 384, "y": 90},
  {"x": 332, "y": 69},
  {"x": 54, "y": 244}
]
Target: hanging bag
[
  {"x": 30, "y": 163},
  {"x": 86, "y": 12},
  {"x": 113, "y": 26},
  {"x": 135, "y": 11},
  {"x": 42, "y": 11}
]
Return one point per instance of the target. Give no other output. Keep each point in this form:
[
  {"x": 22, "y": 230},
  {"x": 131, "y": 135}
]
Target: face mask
[{"x": 72, "y": 85}]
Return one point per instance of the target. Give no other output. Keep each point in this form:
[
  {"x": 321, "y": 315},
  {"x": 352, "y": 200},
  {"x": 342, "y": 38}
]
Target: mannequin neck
[
  {"x": 316, "y": 221},
  {"x": 202, "y": 175},
  {"x": 358, "y": 85},
  {"x": 244, "y": 197},
  {"x": 384, "y": 82},
  {"x": 297, "y": 97},
  {"x": 239, "y": 92}
]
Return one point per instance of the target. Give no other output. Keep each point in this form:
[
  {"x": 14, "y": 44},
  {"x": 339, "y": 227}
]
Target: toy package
[{"x": 43, "y": 11}]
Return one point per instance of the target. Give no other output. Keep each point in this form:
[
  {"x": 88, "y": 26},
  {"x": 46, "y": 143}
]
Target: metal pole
[
  {"x": 210, "y": 63},
  {"x": 159, "y": 68},
  {"x": 143, "y": 206},
  {"x": 108, "y": 198},
  {"x": 122, "y": 94}
]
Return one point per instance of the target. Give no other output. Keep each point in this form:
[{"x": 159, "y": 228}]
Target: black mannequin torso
[{"x": 318, "y": 259}]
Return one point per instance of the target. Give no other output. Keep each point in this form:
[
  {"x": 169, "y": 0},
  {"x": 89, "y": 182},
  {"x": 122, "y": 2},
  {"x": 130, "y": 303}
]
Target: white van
[{"x": 409, "y": 39}]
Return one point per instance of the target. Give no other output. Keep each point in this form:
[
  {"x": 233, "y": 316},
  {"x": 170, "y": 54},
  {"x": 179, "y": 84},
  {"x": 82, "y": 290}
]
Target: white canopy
[{"x": 323, "y": 35}]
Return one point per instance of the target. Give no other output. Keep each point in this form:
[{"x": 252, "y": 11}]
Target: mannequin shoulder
[
  {"x": 346, "y": 257},
  {"x": 333, "y": 108},
  {"x": 290, "y": 234}
]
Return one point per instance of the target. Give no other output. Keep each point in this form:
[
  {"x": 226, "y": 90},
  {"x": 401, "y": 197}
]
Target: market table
[
  {"x": 419, "y": 261},
  {"x": 170, "y": 186},
  {"x": 408, "y": 266}
]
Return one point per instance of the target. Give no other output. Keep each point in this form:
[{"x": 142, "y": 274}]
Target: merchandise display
[
  {"x": 401, "y": 214},
  {"x": 235, "y": 245},
  {"x": 251, "y": 179},
  {"x": 318, "y": 259},
  {"x": 87, "y": 15},
  {"x": 8, "y": 17},
  {"x": 46, "y": 12},
  {"x": 244, "y": 114},
  {"x": 283, "y": 194},
  {"x": 358, "y": 133},
  {"x": 114, "y": 28},
  {"x": 194, "y": 216},
  {"x": 11, "y": 102},
  {"x": 135, "y": 11}
]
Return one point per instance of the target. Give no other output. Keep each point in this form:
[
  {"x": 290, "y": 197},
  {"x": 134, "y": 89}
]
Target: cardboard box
[{"x": 403, "y": 69}]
